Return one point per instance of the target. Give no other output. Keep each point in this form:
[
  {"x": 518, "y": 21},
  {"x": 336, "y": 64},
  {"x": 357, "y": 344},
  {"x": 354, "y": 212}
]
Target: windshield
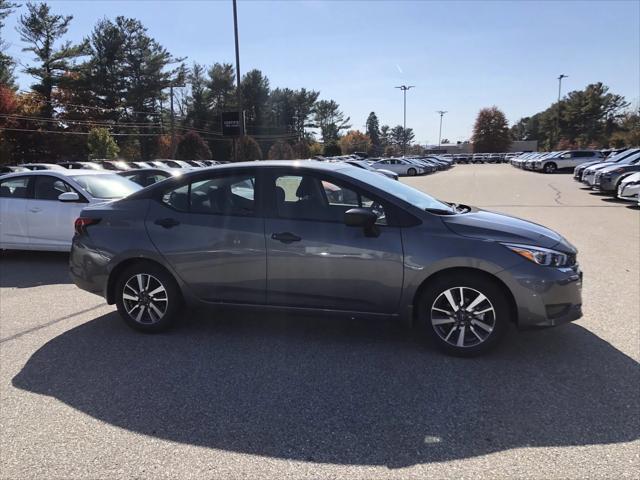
[
  {"x": 400, "y": 190},
  {"x": 106, "y": 186}
]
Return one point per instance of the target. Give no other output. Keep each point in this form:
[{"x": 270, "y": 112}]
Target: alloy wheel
[
  {"x": 549, "y": 168},
  {"x": 145, "y": 298},
  {"x": 463, "y": 317}
]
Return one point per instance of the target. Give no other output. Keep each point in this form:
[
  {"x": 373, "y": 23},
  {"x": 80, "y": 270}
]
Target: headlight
[{"x": 542, "y": 256}]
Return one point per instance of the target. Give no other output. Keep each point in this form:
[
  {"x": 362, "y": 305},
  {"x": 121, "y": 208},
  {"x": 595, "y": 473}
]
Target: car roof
[{"x": 59, "y": 173}]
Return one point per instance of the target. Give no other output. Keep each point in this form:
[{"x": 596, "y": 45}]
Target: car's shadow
[
  {"x": 24, "y": 269},
  {"x": 340, "y": 391}
]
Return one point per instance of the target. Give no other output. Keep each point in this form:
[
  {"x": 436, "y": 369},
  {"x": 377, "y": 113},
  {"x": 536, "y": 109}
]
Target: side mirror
[
  {"x": 69, "y": 197},
  {"x": 363, "y": 218}
]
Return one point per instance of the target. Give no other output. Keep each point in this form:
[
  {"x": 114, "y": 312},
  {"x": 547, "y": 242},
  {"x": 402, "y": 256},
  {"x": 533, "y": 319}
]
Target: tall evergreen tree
[
  {"x": 373, "y": 131},
  {"x": 198, "y": 100},
  {"x": 41, "y": 30},
  {"x": 328, "y": 117},
  {"x": 7, "y": 63},
  {"x": 255, "y": 95}
]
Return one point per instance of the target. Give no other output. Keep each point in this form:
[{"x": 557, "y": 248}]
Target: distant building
[{"x": 516, "y": 146}]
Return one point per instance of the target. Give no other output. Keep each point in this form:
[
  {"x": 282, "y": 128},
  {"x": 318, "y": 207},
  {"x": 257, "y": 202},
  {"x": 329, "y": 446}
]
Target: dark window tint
[
  {"x": 50, "y": 188},
  {"x": 226, "y": 195},
  {"x": 229, "y": 195},
  {"x": 306, "y": 197},
  {"x": 14, "y": 187}
]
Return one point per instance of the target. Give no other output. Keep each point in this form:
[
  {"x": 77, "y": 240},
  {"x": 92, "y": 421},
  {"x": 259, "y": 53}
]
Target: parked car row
[
  {"x": 614, "y": 174},
  {"x": 617, "y": 175},
  {"x": 113, "y": 165},
  {"x": 551, "y": 162},
  {"x": 412, "y": 165},
  {"x": 484, "y": 157}
]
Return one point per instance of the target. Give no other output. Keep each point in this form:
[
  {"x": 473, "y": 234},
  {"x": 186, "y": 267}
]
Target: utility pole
[
  {"x": 559, "y": 95},
  {"x": 239, "y": 92},
  {"x": 173, "y": 124},
  {"x": 404, "y": 89},
  {"x": 441, "y": 112}
]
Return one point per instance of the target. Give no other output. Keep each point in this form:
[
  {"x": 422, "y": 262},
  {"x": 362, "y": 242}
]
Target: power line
[
  {"x": 80, "y": 122},
  {"x": 79, "y": 133}
]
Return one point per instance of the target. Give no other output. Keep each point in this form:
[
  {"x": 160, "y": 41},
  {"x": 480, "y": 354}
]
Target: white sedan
[
  {"x": 38, "y": 208},
  {"x": 399, "y": 166},
  {"x": 629, "y": 188}
]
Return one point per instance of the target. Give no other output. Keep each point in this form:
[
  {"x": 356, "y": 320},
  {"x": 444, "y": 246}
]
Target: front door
[
  {"x": 315, "y": 260},
  {"x": 212, "y": 235},
  {"x": 50, "y": 221}
]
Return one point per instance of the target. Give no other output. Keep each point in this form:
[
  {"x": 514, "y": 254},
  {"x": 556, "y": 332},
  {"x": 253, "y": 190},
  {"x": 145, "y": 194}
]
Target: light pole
[
  {"x": 404, "y": 89},
  {"x": 559, "y": 95},
  {"x": 239, "y": 92},
  {"x": 441, "y": 112}
]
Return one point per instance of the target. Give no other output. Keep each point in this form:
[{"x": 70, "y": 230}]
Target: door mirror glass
[{"x": 69, "y": 197}]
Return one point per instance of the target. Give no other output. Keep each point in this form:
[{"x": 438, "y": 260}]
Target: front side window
[
  {"x": 15, "y": 187},
  {"x": 50, "y": 188},
  {"x": 307, "y": 197}
]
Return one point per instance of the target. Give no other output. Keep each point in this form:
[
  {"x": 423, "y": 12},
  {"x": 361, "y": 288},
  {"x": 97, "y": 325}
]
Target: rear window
[
  {"x": 14, "y": 187},
  {"x": 107, "y": 186}
]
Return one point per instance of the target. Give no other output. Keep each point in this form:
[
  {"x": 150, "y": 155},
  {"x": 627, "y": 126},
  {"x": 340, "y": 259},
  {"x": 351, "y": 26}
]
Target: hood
[
  {"x": 598, "y": 166},
  {"x": 498, "y": 227},
  {"x": 588, "y": 164}
]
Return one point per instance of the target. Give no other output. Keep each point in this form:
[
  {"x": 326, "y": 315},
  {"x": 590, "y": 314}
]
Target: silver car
[
  {"x": 324, "y": 237},
  {"x": 400, "y": 166}
]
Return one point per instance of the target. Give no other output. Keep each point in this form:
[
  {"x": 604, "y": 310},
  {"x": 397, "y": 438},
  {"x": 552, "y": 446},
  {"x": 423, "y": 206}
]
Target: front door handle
[
  {"x": 35, "y": 209},
  {"x": 167, "y": 222},
  {"x": 286, "y": 237}
]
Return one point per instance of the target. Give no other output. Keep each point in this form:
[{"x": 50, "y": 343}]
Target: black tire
[
  {"x": 412, "y": 172},
  {"x": 157, "y": 276},
  {"x": 550, "y": 167},
  {"x": 498, "y": 319}
]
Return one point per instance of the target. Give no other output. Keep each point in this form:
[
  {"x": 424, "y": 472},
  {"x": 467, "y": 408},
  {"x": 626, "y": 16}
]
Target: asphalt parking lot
[{"x": 223, "y": 396}]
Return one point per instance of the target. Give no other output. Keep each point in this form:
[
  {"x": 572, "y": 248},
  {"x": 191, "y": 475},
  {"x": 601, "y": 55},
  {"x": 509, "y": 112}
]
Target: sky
[{"x": 461, "y": 56}]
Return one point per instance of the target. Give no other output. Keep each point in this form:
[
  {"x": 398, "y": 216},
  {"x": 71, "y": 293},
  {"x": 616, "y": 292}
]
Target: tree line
[{"x": 111, "y": 94}]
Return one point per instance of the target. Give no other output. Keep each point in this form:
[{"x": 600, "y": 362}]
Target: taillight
[{"x": 82, "y": 223}]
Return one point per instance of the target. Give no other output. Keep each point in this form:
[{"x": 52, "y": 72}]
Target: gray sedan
[{"x": 328, "y": 237}]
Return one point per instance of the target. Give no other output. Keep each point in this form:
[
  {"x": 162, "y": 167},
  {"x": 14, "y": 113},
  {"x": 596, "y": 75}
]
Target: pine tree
[{"x": 41, "y": 30}]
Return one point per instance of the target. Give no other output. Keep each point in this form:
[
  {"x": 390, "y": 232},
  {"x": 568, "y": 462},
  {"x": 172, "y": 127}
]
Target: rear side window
[
  {"x": 16, "y": 187},
  {"x": 226, "y": 195}
]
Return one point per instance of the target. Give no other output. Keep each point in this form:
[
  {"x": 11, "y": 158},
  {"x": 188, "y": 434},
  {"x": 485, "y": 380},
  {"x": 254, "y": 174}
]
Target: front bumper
[
  {"x": 545, "y": 296},
  {"x": 606, "y": 184}
]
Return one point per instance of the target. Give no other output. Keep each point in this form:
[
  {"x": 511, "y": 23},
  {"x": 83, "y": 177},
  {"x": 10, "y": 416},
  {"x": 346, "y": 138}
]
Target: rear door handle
[
  {"x": 286, "y": 237},
  {"x": 35, "y": 209},
  {"x": 167, "y": 222}
]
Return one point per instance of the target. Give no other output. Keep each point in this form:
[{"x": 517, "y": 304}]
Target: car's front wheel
[
  {"x": 147, "y": 297},
  {"x": 411, "y": 172},
  {"x": 465, "y": 315},
  {"x": 550, "y": 167}
]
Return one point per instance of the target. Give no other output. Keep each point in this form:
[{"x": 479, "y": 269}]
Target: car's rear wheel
[
  {"x": 411, "y": 172},
  {"x": 550, "y": 167},
  {"x": 465, "y": 315},
  {"x": 147, "y": 297}
]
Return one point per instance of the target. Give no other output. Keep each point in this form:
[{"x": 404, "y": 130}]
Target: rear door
[
  {"x": 315, "y": 261},
  {"x": 13, "y": 211},
  {"x": 211, "y": 231},
  {"x": 50, "y": 221}
]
